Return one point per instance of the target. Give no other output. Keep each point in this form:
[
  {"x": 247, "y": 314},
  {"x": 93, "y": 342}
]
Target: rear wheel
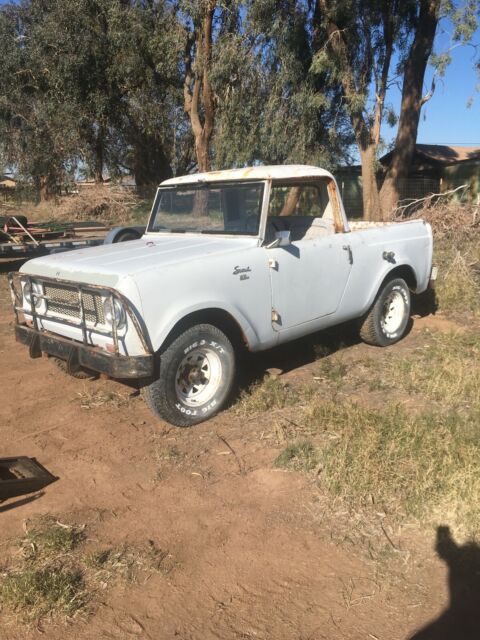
[
  {"x": 195, "y": 379},
  {"x": 388, "y": 318}
]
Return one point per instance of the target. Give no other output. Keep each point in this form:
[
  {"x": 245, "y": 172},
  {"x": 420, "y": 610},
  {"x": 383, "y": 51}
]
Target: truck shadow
[
  {"x": 425, "y": 304},
  {"x": 461, "y": 620},
  {"x": 304, "y": 351},
  {"x": 298, "y": 353}
]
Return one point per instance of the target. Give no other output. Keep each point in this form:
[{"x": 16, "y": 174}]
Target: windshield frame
[{"x": 264, "y": 198}]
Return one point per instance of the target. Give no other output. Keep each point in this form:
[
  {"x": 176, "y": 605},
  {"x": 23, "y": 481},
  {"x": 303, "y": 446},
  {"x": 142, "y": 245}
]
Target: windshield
[{"x": 208, "y": 208}]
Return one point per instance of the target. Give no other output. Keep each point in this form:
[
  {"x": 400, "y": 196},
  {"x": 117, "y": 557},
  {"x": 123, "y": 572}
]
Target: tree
[
  {"x": 36, "y": 136},
  {"x": 199, "y": 101},
  {"x": 357, "y": 40},
  {"x": 92, "y": 84},
  {"x": 420, "y": 53},
  {"x": 146, "y": 41},
  {"x": 270, "y": 107}
]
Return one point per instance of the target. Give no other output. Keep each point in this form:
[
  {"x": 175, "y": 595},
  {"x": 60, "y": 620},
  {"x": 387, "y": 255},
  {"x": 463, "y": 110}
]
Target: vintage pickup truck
[{"x": 230, "y": 259}]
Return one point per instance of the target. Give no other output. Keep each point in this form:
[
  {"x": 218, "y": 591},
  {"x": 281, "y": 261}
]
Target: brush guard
[{"x": 78, "y": 354}]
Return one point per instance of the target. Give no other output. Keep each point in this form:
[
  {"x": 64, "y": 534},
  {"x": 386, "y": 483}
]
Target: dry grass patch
[
  {"x": 456, "y": 244},
  {"x": 127, "y": 562},
  {"x": 458, "y": 285},
  {"x": 405, "y": 463},
  {"x": 104, "y": 203},
  {"x": 270, "y": 393},
  {"x": 299, "y": 456},
  {"x": 94, "y": 398},
  {"x": 444, "y": 369},
  {"x": 53, "y": 576},
  {"x": 45, "y": 579},
  {"x": 390, "y": 460},
  {"x": 35, "y": 593},
  {"x": 409, "y": 464}
]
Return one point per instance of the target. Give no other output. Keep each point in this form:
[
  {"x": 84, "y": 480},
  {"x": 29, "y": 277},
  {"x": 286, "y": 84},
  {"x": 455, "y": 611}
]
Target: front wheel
[
  {"x": 79, "y": 374},
  {"x": 388, "y": 318},
  {"x": 195, "y": 379}
]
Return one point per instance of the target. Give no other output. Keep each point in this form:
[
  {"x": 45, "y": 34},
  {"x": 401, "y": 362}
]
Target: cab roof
[{"x": 260, "y": 172}]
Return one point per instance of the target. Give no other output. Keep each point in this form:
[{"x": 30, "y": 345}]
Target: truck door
[{"x": 308, "y": 277}]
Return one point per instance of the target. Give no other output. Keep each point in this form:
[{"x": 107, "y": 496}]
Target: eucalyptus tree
[
  {"x": 369, "y": 45},
  {"x": 36, "y": 132},
  {"x": 147, "y": 43},
  {"x": 270, "y": 107},
  {"x": 111, "y": 59}
]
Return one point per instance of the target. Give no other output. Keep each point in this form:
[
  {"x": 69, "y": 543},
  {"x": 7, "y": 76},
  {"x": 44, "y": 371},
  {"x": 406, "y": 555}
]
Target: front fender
[{"x": 159, "y": 335}]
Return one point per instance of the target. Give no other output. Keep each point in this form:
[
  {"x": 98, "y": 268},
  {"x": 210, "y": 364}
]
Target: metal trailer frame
[{"x": 24, "y": 250}]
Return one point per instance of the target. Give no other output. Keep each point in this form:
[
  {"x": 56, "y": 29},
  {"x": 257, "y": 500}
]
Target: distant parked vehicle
[{"x": 249, "y": 257}]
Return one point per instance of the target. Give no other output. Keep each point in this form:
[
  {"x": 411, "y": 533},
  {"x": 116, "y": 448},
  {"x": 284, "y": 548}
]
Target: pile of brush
[{"x": 104, "y": 203}]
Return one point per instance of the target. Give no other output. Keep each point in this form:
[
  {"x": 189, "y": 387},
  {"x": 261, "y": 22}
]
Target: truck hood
[{"x": 106, "y": 265}]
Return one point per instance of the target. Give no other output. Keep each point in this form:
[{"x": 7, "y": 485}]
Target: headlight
[
  {"x": 118, "y": 311},
  {"x": 34, "y": 288}
]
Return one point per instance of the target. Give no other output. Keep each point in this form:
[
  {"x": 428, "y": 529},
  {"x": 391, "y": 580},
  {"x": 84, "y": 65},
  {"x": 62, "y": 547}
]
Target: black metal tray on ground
[{"x": 22, "y": 475}]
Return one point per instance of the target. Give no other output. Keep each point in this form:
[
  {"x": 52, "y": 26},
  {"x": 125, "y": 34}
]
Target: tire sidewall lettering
[{"x": 185, "y": 410}]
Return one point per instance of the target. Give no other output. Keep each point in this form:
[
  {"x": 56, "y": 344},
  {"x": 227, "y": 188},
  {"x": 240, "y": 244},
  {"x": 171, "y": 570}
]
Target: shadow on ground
[
  {"x": 298, "y": 353},
  {"x": 10, "y": 265},
  {"x": 19, "y": 503},
  {"x": 461, "y": 620},
  {"x": 307, "y": 350}
]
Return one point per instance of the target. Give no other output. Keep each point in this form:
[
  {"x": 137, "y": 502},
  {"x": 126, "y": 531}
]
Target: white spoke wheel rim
[
  {"x": 393, "y": 312},
  {"x": 198, "y": 377}
]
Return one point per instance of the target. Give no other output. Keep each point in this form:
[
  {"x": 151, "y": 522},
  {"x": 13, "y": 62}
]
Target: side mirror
[{"x": 282, "y": 239}]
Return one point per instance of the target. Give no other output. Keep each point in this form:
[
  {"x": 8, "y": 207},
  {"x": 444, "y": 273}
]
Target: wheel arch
[
  {"x": 115, "y": 234},
  {"x": 404, "y": 271},
  {"x": 215, "y": 316}
]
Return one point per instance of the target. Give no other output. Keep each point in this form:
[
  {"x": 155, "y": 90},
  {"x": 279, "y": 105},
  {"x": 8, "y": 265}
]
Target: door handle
[{"x": 348, "y": 248}]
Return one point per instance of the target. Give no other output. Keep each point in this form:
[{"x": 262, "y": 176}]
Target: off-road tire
[
  {"x": 80, "y": 374},
  {"x": 164, "y": 395},
  {"x": 373, "y": 329}
]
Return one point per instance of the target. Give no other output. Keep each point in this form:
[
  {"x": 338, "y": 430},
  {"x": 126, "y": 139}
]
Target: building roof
[
  {"x": 441, "y": 153},
  {"x": 274, "y": 172},
  {"x": 448, "y": 154}
]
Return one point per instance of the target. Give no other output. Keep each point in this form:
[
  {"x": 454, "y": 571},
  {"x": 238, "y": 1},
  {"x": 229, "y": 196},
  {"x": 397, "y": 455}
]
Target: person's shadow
[{"x": 461, "y": 621}]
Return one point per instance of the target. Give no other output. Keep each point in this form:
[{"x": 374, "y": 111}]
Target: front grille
[{"x": 63, "y": 300}]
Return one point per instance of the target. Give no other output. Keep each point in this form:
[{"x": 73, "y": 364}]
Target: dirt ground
[{"x": 252, "y": 556}]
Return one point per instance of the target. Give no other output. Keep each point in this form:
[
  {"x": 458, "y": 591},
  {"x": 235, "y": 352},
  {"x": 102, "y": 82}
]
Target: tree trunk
[
  {"x": 202, "y": 152},
  {"x": 412, "y": 102},
  {"x": 46, "y": 187},
  {"x": 371, "y": 199},
  {"x": 197, "y": 92},
  {"x": 99, "y": 156},
  {"x": 291, "y": 201}
]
